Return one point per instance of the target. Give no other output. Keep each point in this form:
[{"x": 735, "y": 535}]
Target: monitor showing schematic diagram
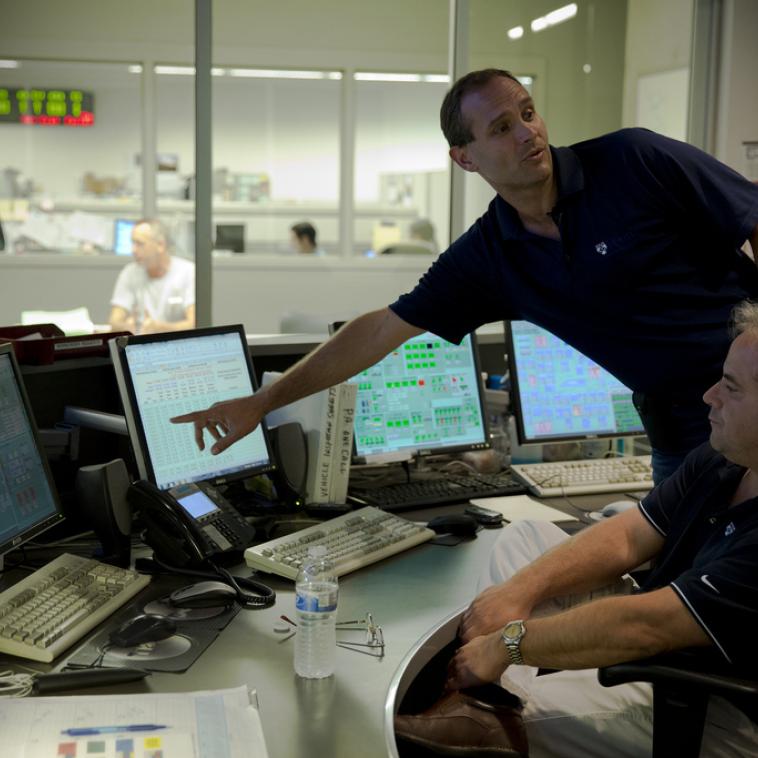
[{"x": 423, "y": 398}]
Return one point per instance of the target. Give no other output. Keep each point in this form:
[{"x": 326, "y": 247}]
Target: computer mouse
[
  {"x": 458, "y": 524},
  {"x": 203, "y": 595},
  {"x": 148, "y": 627},
  {"x": 612, "y": 509}
]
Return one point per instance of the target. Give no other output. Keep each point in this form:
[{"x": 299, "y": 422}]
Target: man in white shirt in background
[{"x": 156, "y": 291}]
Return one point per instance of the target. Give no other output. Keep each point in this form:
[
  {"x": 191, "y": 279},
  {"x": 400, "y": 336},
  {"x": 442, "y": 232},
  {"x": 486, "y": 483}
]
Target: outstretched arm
[{"x": 355, "y": 347}]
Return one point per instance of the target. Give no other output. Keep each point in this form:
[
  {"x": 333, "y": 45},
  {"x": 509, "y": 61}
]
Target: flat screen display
[
  {"x": 170, "y": 374},
  {"x": 424, "y": 397},
  {"x": 559, "y": 394},
  {"x": 28, "y": 501},
  {"x": 122, "y": 237}
]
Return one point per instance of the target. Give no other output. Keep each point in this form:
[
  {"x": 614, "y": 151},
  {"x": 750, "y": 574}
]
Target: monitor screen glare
[
  {"x": 560, "y": 394},
  {"x": 28, "y": 502},
  {"x": 423, "y": 397},
  {"x": 172, "y": 376}
]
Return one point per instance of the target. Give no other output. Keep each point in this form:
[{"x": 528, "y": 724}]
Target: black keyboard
[{"x": 429, "y": 492}]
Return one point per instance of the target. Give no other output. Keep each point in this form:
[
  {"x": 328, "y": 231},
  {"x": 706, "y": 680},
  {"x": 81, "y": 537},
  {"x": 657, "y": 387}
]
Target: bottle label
[{"x": 316, "y": 602}]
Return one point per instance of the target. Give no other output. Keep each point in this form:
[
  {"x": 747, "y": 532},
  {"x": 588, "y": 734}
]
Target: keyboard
[
  {"x": 430, "y": 492},
  {"x": 587, "y": 477},
  {"x": 54, "y": 607},
  {"x": 352, "y": 541}
]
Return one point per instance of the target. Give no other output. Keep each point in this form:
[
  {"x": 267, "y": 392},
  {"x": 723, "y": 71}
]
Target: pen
[{"x": 89, "y": 730}]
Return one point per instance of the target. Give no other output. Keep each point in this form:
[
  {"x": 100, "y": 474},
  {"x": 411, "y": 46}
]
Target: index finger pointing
[{"x": 187, "y": 417}]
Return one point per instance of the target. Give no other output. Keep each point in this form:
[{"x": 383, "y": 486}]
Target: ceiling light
[
  {"x": 175, "y": 70},
  {"x": 134, "y": 69},
  {"x": 9, "y": 64},
  {"x": 564, "y": 13},
  {"x": 516, "y": 33},
  {"x": 377, "y": 76},
  {"x": 270, "y": 73}
]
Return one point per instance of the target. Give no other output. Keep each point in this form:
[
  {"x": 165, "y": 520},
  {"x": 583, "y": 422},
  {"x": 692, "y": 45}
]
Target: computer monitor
[
  {"x": 558, "y": 394},
  {"x": 423, "y": 398},
  {"x": 28, "y": 500},
  {"x": 122, "y": 236},
  {"x": 165, "y": 375},
  {"x": 230, "y": 237}
]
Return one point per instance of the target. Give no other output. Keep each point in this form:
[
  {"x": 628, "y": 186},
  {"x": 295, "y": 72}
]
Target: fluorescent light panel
[
  {"x": 558, "y": 16},
  {"x": 4, "y": 63},
  {"x": 251, "y": 73},
  {"x": 516, "y": 33},
  {"x": 377, "y": 76}
]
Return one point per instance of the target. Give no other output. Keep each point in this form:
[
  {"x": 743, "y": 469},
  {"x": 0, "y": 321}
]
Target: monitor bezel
[
  {"x": 134, "y": 423},
  {"x": 409, "y": 454},
  {"x": 517, "y": 411},
  {"x": 6, "y": 348}
]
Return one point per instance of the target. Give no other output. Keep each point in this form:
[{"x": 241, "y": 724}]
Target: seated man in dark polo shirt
[
  {"x": 565, "y": 603},
  {"x": 627, "y": 246}
]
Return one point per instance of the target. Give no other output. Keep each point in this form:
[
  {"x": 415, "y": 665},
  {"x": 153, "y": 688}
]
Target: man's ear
[{"x": 461, "y": 156}]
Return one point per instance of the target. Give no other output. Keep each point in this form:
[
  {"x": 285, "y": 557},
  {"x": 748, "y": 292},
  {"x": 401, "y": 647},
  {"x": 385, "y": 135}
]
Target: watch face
[{"x": 512, "y": 630}]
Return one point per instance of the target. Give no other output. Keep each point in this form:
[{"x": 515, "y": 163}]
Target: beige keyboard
[
  {"x": 352, "y": 541},
  {"x": 50, "y": 610},
  {"x": 586, "y": 477}
]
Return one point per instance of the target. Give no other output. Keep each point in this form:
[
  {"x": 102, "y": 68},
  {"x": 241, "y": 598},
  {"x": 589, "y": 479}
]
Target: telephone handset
[{"x": 190, "y": 524}]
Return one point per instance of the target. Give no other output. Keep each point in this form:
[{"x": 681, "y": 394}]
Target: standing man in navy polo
[{"x": 627, "y": 246}]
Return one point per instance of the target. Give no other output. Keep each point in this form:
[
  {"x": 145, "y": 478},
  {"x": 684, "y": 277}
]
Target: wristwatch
[{"x": 513, "y": 633}]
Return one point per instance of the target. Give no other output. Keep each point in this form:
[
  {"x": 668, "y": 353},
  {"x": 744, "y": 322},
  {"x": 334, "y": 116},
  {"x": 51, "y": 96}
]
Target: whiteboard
[{"x": 662, "y": 102}]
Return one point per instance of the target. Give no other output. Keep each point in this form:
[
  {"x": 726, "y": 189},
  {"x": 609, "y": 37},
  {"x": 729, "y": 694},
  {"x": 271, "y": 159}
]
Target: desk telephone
[{"x": 190, "y": 524}]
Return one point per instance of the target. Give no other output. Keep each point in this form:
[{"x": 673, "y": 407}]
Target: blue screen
[
  {"x": 122, "y": 237},
  {"x": 560, "y": 394},
  {"x": 26, "y": 495}
]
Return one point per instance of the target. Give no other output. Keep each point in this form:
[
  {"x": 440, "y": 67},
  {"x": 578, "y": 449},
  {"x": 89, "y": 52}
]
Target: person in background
[
  {"x": 303, "y": 239},
  {"x": 423, "y": 230},
  {"x": 156, "y": 291}
]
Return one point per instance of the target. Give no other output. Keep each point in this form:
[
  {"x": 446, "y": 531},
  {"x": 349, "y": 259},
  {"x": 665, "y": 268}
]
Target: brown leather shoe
[{"x": 461, "y": 724}]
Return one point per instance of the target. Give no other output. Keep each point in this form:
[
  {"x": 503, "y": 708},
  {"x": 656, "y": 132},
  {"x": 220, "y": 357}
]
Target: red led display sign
[{"x": 46, "y": 107}]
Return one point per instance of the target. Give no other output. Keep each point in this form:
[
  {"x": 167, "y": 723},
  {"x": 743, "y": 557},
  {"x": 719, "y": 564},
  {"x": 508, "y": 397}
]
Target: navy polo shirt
[
  {"x": 710, "y": 554},
  {"x": 643, "y": 279}
]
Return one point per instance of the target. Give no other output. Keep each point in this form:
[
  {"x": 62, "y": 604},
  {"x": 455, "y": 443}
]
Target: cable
[
  {"x": 265, "y": 596},
  {"x": 15, "y": 685}
]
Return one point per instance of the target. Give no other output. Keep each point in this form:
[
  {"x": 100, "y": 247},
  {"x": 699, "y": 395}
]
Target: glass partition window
[
  {"x": 69, "y": 139},
  {"x": 275, "y": 155},
  {"x": 402, "y": 181}
]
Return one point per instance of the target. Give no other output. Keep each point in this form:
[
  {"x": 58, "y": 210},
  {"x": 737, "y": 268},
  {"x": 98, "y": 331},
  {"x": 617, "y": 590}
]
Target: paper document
[
  {"x": 212, "y": 724},
  {"x": 522, "y": 508}
]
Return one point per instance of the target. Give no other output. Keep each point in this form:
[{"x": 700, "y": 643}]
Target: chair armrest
[{"x": 683, "y": 668}]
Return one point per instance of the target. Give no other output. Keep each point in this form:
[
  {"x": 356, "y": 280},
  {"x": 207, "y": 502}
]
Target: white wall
[
  {"x": 658, "y": 39},
  {"x": 737, "y": 102}
]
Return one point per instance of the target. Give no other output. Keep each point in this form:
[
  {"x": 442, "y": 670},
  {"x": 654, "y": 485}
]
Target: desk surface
[{"x": 344, "y": 715}]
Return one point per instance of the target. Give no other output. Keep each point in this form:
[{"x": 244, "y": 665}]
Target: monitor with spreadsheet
[
  {"x": 28, "y": 500},
  {"x": 558, "y": 394},
  {"x": 122, "y": 236},
  {"x": 423, "y": 398},
  {"x": 165, "y": 375}
]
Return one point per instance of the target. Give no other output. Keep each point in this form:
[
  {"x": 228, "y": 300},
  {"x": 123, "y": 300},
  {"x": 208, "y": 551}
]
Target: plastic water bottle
[{"x": 316, "y": 594}]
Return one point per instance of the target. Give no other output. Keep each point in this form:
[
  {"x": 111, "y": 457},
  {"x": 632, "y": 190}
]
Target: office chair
[
  {"x": 407, "y": 247},
  {"x": 682, "y": 684}
]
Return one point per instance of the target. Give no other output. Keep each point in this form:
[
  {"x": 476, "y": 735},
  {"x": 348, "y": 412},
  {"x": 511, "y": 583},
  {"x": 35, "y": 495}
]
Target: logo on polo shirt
[
  {"x": 601, "y": 248},
  {"x": 730, "y": 529},
  {"x": 704, "y": 579}
]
